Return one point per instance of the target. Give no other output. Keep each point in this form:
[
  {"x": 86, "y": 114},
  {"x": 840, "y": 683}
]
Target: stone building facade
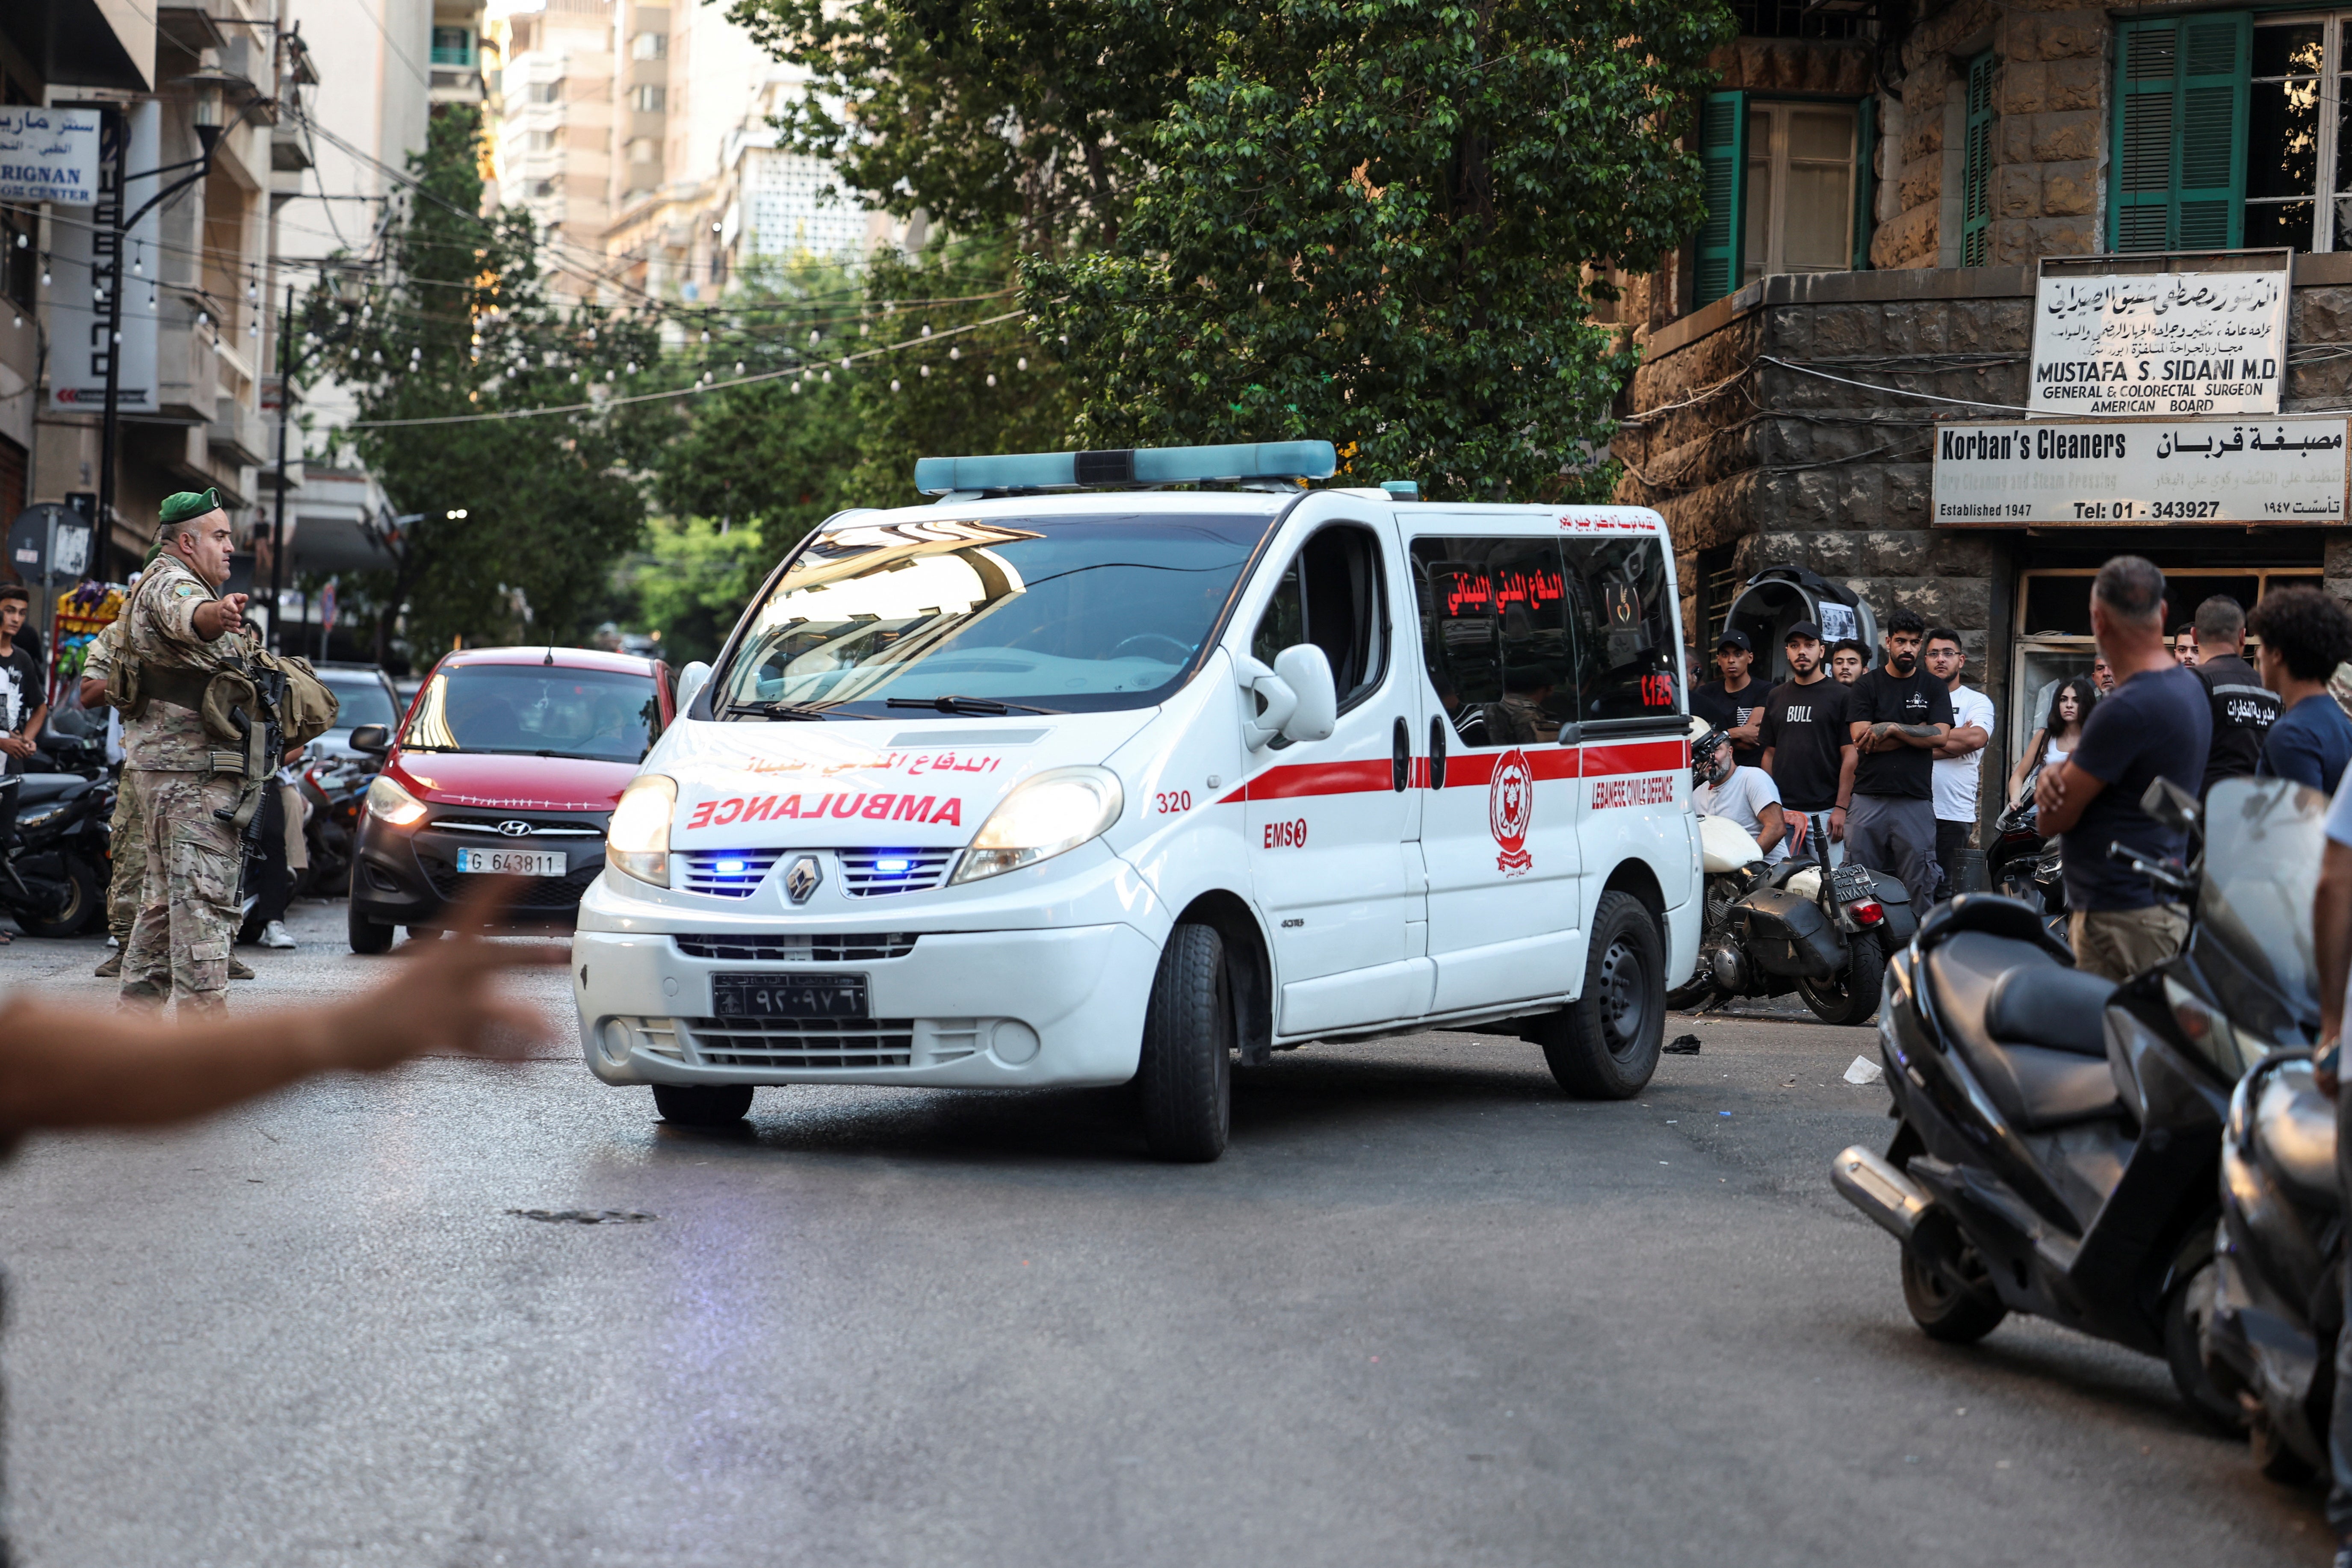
[{"x": 1784, "y": 413}]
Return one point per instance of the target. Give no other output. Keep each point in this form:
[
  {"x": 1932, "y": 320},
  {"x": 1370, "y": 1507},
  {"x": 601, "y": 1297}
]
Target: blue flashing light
[
  {"x": 730, "y": 866},
  {"x": 1136, "y": 465},
  {"x": 892, "y": 863}
]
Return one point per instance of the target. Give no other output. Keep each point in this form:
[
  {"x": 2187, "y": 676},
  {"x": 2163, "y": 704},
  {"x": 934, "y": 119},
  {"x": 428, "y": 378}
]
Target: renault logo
[
  {"x": 801, "y": 880},
  {"x": 514, "y": 829}
]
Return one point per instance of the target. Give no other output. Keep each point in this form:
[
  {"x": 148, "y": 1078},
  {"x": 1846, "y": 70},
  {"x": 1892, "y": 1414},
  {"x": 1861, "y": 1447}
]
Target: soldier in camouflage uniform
[{"x": 180, "y": 629}]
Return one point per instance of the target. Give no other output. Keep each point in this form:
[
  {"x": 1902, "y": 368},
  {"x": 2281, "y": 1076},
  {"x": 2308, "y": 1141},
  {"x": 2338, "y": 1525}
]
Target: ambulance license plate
[
  {"x": 788, "y": 995},
  {"x": 515, "y": 862}
]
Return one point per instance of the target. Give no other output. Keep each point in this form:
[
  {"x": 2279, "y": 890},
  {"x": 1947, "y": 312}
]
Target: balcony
[{"x": 238, "y": 434}]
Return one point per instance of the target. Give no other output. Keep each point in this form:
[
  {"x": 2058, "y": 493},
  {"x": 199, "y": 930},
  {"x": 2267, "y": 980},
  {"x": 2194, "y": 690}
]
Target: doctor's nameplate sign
[
  {"x": 2284, "y": 471},
  {"x": 2167, "y": 343}
]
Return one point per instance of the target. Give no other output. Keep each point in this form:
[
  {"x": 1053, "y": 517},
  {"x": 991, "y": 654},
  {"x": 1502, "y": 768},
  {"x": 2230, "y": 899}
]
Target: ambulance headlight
[
  {"x": 1058, "y": 810},
  {"x": 392, "y": 805},
  {"x": 636, "y": 841}
]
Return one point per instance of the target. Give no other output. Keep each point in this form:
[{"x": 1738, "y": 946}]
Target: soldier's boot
[
  {"x": 112, "y": 968},
  {"x": 238, "y": 969}
]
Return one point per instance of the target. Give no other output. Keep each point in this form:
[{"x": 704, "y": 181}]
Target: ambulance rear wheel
[
  {"x": 1604, "y": 1045},
  {"x": 1184, "y": 1078}
]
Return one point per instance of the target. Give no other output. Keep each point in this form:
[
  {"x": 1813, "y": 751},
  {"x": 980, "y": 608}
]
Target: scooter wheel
[
  {"x": 2185, "y": 1311},
  {"x": 1946, "y": 1300}
]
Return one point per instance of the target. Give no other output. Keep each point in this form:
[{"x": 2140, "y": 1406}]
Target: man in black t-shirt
[
  {"x": 2243, "y": 708},
  {"x": 1808, "y": 743},
  {"x": 2156, "y": 723},
  {"x": 23, "y": 686},
  {"x": 1734, "y": 704},
  {"x": 1900, "y": 712}
]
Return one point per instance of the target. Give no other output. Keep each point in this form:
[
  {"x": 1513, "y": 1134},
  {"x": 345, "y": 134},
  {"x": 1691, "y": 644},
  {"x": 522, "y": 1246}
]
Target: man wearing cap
[
  {"x": 1734, "y": 704},
  {"x": 181, "y": 629},
  {"x": 1808, "y": 740}
]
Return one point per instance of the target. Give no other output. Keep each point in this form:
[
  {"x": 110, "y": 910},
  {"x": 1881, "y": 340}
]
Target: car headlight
[
  {"x": 392, "y": 805},
  {"x": 636, "y": 841},
  {"x": 1058, "y": 810}
]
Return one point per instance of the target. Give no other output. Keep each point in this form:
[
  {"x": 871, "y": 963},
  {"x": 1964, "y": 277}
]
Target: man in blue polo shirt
[
  {"x": 2159, "y": 721},
  {"x": 2305, "y": 635}
]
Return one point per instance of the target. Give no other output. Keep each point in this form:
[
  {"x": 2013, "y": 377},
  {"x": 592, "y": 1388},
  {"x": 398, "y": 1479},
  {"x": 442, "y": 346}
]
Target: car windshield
[
  {"x": 2263, "y": 839},
  {"x": 1048, "y": 614},
  {"x": 536, "y": 710},
  {"x": 359, "y": 701}
]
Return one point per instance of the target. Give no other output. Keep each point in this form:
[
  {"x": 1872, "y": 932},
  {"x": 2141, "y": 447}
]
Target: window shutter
[
  {"x": 2181, "y": 134},
  {"x": 1865, "y": 194},
  {"x": 1723, "y": 159},
  {"x": 1976, "y": 176}
]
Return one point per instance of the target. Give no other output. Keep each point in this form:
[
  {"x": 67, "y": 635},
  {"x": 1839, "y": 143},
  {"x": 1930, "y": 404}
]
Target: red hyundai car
[{"x": 509, "y": 759}]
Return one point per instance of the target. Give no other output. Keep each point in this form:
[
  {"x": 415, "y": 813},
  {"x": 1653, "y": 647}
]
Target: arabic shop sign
[
  {"x": 2159, "y": 344},
  {"x": 49, "y": 155},
  {"x": 2289, "y": 470}
]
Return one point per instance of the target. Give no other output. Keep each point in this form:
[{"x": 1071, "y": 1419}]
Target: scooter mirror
[{"x": 2171, "y": 805}]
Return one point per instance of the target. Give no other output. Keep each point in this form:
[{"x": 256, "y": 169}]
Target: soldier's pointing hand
[{"x": 225, "y": 613}]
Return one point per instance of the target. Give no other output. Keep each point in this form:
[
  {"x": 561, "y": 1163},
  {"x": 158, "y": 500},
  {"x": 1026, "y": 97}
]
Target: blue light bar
[{"x": 1136, "y": 465}]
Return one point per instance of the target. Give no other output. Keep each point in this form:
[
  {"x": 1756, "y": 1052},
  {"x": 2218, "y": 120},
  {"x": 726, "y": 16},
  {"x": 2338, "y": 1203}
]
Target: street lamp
[{"x": 211, "y": 87}]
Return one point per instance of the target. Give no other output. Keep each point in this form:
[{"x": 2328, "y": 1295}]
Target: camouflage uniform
[
  {"x": 1516, "y": 720},
  {"x": 125, "y": 835},
  {"x": 188, "y": 910}
]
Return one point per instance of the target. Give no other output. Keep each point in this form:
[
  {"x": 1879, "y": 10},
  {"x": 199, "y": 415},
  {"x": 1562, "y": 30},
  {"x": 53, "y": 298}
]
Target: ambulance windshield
[{"x": 1051, "y": 613}]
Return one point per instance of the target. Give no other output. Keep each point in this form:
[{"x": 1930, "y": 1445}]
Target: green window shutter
[
  {"x": 2181, "y": 134},
  {"x": 1723, "y": 159},
  {"x": 1976, "y": 175},
  {"x": 1865, "y": 195}
]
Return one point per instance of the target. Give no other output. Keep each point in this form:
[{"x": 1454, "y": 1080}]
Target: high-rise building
[{"x": 557, "y": 114}]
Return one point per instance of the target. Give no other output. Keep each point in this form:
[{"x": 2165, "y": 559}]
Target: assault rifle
[{"x": 261, "y": 764}]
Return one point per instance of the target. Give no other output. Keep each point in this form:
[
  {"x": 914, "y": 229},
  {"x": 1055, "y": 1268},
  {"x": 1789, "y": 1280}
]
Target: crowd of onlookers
[{"x": 1882, "y": 749}]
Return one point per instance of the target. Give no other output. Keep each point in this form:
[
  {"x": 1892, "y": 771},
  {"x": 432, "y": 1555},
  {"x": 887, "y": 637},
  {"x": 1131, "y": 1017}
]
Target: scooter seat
[
  {"x": 44, "y": 787},
  {"x": 2295, "y": 1130},
  {"x": 2059, "y": 1072},
  {"x": 2046, "y": 1004}
]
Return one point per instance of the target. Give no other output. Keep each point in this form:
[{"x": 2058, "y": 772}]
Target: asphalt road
[{"x": 1425, "y": 1310}]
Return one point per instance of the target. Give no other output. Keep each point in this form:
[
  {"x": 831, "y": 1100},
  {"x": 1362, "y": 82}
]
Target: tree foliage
[
  {"x": 1378, "y": 222},
  {"x": 459, "y": 322},
  {"x": 1022, "y": 115}
]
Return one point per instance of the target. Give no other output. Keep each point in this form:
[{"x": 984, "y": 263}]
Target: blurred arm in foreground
[{"x": 65, "y": 1067}]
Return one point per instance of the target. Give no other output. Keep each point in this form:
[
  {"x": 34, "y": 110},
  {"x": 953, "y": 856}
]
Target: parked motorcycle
[
  {"x": 2278, "y": 1298},
  {"x": 2059, "y": 1135},
  {"x": 333, "y": 791},
  {"x": 1802, "y": 925},
  {"x": 54, "y": 874},
  {"x": 2021, "y": 863}
]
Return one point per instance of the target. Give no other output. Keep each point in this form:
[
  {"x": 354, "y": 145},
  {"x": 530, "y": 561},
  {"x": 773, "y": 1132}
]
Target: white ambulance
[{"x": 1072, "y": 778}]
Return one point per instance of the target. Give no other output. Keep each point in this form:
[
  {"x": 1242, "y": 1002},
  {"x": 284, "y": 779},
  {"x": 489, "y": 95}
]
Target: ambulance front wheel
[
  {"x": 1184, "y": 1078},
  {"x": 1604, "y": 1045}
]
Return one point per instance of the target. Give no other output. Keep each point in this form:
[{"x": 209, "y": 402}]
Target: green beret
[{"x": 187, "y": 504}]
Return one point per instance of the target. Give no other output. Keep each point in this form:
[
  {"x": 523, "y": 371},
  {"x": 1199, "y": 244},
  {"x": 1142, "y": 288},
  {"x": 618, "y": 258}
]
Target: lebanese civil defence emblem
[{"x": 1510, "y": 807}]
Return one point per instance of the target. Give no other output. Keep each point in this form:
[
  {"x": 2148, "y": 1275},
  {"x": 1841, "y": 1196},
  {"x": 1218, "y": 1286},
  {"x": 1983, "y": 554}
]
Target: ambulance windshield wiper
[
  {"x": 979, "y": 707},
  {"x": 800, "y": 710}
]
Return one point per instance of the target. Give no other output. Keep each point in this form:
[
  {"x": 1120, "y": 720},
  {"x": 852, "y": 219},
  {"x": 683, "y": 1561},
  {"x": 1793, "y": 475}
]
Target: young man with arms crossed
[
  {"x": 1808, "y": 741},
  {"x": 2157, "y": 723},
  {"x": 1900, "y": 715},
  {"x": 23, "y": 686},
  {"x": 1734, "y": 704},
  {"x": 1959, "y": 759},
  {"x": 2243, "y": 708}
]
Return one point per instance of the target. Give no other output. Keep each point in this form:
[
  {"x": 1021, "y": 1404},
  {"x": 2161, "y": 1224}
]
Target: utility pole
[{"x": 285, "y": 415}]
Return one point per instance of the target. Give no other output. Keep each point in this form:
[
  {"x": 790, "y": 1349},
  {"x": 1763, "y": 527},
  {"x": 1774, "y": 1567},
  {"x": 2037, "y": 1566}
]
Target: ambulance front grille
[
  {"x": 806, "y": 947},
  {"x": 803, "y": 1042},
  {"x": 727, "y": 873},
  {"x": 865, "y": 873}
]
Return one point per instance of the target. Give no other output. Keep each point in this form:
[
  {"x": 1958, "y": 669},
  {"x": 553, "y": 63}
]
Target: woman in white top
[{"x": 2061, "y": 732}]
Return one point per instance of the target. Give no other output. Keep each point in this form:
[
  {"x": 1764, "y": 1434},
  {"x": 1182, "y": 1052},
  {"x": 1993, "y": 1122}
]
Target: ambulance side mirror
[
  {"x": 689, "y": 682},
  {"x": 1301, "y": 701}
]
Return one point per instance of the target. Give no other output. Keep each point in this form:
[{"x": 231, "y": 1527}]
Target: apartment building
[
  {"x": 1945, "y": 202},
  {"x": 558, "y": 114}
]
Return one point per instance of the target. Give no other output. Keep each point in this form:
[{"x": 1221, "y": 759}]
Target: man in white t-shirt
[
  {"x": 1746, "y": 797},
  {"x": 1960, "y": 756}
]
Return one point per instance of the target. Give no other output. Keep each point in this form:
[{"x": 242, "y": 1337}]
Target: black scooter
[
  {"x": 54, "y": 874},
  {"x": 2278, "y": 1298},
  {"x": 2059, "y": 1136},
  {"x": 2021, "y": 863}
]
